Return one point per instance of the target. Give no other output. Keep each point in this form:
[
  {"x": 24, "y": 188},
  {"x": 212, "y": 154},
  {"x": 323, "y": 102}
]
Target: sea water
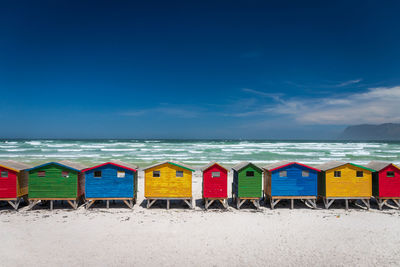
[{"x": 197, "y": 152}]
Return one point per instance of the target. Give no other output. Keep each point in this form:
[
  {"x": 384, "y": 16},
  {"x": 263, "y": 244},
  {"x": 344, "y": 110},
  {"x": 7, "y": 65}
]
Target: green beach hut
[
  {"x": 54, "y": 181},
  {"x": 247, "y": 184}
]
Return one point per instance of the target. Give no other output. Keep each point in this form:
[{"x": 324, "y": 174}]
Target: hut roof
[
  {"x": 276, "y": 165},
  {"x": 115, "y": 163},
  {"x": 334, "y": 164},
  {"x": 65, "y": 163},
  {"x": 379, "y": 165},
  {"x": 243, "y": 164},
  {"x": 184, "y": 166},
  {"x": 212, "y": 163},
  {"x": 281, "y": 164},
  {"x": 331, "y": 165},
  {"x": 15, "y": 165}
]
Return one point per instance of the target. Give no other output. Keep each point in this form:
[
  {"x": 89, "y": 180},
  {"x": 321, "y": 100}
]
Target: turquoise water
[{"x": 196, "y": 152}]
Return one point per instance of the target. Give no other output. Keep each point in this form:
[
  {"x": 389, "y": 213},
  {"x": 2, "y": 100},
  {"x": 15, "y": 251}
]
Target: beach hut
[
  {"x": 385, "y": 183},
  {"x": 247, "y": 184},
  {"x": 347, "y": 181},
  {"x": 215, "y": 184},
  {"x": 291, "y": 180},
  {"x": 56, "y": 181},
  {"x": 13, "y": 182},
  {"x": 111, "y": 181},
  {"x": 168, "y": 180}
]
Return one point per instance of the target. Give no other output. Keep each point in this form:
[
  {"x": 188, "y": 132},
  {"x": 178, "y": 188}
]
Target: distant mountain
[{"x": 386, "y": 131}]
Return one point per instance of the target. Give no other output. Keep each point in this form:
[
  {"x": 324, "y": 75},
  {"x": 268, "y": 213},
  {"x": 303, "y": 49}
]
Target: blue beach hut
[
  {"x": 111, "y": 181},
  {"x": 291, "y": 180}
]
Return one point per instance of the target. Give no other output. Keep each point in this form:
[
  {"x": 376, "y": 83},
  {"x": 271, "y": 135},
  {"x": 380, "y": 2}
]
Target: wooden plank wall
[
  {"x": 389, "y": 186},
  {"x": 250, "y": 186},
  {"x": 8, "y": 185},
  {"x": 109, "y": 185},
  {"x": 53, "y": 185},
  {"x": 168, "y": 185},
  {"x": 348, "y": 185},
  {"x": 215, "y": 187},
  {"x": 22, "y": 183},
  {"x": 294, "y": 184}
]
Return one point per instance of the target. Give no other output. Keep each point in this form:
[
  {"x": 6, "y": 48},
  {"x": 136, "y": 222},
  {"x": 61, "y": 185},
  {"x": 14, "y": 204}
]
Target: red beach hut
[
  {"x": 385, "y": 183},
  {"x": 215, "y": 184},
  {"x": 13, "y": 182}
]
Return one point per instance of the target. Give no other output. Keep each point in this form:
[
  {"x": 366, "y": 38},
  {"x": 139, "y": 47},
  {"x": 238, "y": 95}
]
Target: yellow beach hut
[
  {"x": 346, "y": 181},
  {"x": 168, "y": 180}
]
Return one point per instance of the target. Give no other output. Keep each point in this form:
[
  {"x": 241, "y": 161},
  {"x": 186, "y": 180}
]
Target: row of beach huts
[{"x": 170, "y": 180}]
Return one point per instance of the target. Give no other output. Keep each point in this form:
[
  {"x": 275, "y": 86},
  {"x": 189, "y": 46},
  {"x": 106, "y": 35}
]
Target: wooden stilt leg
[
  {"x": 274, "y": 202},
  {"x": 108, "y": 204},
  {"x": 380, "y": 203},
  {"x": 291, "y": 203},
  {"x": 167, "y": 204},
  {"x": 366, "y": 203},
  {"x": 189, "y": 202},
  {"x": 51, "y": 204},
  {"x": 242, "y": 202},
  {"x": 11, "y": 204},
  {"x": 206, "y": 204},
  {"x": 32, "y": 204},
  {"x": 89, "y": 203},
  {"x": 397, "y": 202},
  {"x": 347, "y": 204}
]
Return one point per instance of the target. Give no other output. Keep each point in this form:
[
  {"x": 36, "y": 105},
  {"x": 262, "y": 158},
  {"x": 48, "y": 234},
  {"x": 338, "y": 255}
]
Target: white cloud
[
  {"x": 377, "y": 105},
  {"x": 275, "y": 96},
  {"x": 343, "y": 84}
]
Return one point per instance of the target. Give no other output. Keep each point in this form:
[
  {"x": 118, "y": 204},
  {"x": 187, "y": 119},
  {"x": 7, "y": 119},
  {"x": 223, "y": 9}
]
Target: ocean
[{"x": 197, "y": 152}]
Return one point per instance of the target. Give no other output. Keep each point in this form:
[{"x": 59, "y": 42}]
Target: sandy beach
[{"x": 182, "y": 237}]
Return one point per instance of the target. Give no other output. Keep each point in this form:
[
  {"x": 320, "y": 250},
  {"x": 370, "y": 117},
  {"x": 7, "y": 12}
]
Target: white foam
[
  {"x": 34, "y": 143},
  {"x": 118, "y": 149},
  {"x": 69, "y": 150}
]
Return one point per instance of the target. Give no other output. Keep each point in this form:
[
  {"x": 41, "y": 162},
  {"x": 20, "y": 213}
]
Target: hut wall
[
  {"x": 250, "y": 186},
  {"x": 8, "y": 185},
  {"x": 109, "y": 185},
  {"x": 22, "y": 183},
  {"x": 168, "y": 185},
  {"x": 215, "y": 187},
  {"x": 348, "y": 185},
  {"x": 389, "y": 186},
  {"x": 294, "y": 184},
  {"x": 235, "y": 183},
  {"x": 53, "y": 185}
]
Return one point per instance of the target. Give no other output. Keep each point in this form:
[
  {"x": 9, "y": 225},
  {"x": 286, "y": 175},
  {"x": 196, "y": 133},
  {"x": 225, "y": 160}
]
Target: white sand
[{"x": 181, "y": 237}]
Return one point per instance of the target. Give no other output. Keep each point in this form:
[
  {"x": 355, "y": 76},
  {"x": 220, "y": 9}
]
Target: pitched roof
[
  {"x": 330, "y": 165},
  {"x": 334, "y": 164},
  {"x": 379, "y": 165},
  {"x": 243, "y": 164},
  {"x": 65, "y": 163},
  {"x": 281, "y": 164},
  {"x": 184, "y": 166},
  {"x": 115, "y": 163},
  {"x": 212, "y": 163},
  {"x": 276, "y": 165},
  {"x": 15, "y": 165}
]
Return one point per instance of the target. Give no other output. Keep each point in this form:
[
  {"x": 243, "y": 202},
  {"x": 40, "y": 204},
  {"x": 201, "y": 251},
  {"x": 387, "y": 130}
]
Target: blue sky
[{"x": 197, "y": 69}]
